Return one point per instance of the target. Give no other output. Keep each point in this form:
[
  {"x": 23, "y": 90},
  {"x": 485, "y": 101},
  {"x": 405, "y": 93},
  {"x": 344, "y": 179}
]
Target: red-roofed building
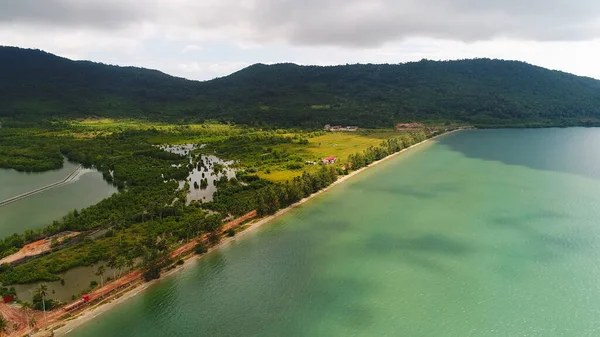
[{"x": 329, "y": 160}]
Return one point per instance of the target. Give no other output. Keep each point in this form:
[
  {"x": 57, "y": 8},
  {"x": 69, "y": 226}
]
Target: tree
[
  {"x": 100, "y": 272},
  {"x": 120, "y": 263},
  {"x": 27, "y": 307},
  {"x": 112, "y": 264},
  {"x": 3, "y": 324},
  {"x": 42, "y": 291},
  {"x": 200, "y": 248}
]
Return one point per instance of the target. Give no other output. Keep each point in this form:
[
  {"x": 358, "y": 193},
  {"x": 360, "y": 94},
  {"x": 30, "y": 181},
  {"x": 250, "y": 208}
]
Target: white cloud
[
  {"x": 324, "y": 22},
  {"x": 208, "y": 38},
  {"x": 191, "y": 48}
]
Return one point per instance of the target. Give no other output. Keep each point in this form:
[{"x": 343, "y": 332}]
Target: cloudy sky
[{"x": 203, "y": 39}]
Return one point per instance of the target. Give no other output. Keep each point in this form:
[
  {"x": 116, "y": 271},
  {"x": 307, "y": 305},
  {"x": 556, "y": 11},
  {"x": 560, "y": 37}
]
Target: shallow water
[
  {"x": 480, "y": 233},
  {"x": 39, "y": 210},
  {"x": 206, "y": 171},
  {"x": 76, "y": 281}
]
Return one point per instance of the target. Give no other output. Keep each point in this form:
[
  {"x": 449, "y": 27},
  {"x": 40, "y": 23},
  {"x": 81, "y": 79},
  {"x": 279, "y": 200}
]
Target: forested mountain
[{"x": 35, "y": 84}]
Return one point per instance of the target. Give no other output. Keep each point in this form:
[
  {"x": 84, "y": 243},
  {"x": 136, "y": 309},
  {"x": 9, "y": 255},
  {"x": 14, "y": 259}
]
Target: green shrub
[{"x": 200, "y": 248}]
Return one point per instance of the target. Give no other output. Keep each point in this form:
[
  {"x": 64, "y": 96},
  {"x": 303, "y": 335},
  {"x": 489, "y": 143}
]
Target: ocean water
[{"x": 479, "y": 233}]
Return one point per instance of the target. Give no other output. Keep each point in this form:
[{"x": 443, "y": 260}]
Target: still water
[
  {"x": 39, "y": 210},
  {"x": 207, "y": 170},
  {"x": 480, "y": 233}
]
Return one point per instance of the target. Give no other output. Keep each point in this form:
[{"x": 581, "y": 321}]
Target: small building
[
  {"x": 340, "y": 128},
  {"x": 329, "y": 160},
  {"x": 409, "y": 126},
  {"x": 308, "y": 162}
]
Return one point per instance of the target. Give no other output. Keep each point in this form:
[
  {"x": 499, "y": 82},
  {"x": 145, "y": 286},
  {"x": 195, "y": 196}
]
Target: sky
[{"x": 204, "y": 39}]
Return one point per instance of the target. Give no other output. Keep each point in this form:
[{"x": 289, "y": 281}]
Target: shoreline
[{"x": 64, "y": 327}]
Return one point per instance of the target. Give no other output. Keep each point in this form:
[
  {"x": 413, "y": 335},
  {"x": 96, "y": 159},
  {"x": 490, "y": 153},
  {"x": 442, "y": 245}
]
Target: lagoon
[
  {"x": 478, "y": 233},
  {"x": 39, "y": 210}
]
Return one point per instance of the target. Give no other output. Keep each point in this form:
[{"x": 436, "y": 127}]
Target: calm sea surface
[
  {"x": 480, "y": 233},
  {"x": 39, "y": 210}
]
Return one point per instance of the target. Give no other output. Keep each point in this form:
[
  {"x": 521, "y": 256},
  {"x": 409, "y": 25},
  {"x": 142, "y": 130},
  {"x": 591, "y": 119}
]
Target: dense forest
[{"x": 36, "y": 85}]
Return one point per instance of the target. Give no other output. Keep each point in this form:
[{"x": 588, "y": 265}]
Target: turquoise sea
[{"x": 478, "y": 233}]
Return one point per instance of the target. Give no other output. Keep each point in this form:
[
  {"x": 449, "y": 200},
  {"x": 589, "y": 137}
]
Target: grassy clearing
[{"x": 340, "y": 145}]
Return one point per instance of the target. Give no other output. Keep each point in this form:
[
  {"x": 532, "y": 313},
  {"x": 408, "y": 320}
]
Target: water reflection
[
  {"x": 76, "y": 281},
  {"x": 87, "y": 188},
  {"x": 201, "y": 183},
  {"x": 569, "y": 150}
]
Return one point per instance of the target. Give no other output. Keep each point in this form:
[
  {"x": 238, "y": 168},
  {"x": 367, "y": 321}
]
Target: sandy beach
[{"x": 64, "y": 327}]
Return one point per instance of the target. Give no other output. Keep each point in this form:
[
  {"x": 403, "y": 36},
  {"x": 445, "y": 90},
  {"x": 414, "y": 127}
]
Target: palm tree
[
  {"x": 42, "y": 291},
  {"x": 120, "y": 263},
  {"x": 100, "y": 272},
  {"x": 112, "y": 265},
  {"x": 29, "y": 313}
]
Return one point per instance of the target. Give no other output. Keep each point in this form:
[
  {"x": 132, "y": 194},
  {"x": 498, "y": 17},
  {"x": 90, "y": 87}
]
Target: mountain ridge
[{"x": 39, "y": 85}]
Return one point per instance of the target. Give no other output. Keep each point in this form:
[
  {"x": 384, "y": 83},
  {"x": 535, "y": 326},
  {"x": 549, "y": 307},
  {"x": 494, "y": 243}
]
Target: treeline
[{"x": 388, "y": 147}]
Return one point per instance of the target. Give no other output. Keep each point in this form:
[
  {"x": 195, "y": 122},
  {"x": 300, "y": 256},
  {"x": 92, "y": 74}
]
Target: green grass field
[{"x": 340, "y": 145}]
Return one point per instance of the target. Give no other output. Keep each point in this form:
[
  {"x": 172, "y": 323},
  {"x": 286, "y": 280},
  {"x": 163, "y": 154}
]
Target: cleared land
[
  {"x": 338, "y": 144},
  {"x": 38, "y": 247}
]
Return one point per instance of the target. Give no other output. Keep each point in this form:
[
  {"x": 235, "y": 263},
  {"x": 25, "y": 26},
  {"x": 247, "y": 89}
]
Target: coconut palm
[
  {"x": 27, "y": 308},
  {"x": 120, "y": 263},
  {"x": 42, "y": 291},
  {"x": 112, "y": 264},
  {"x": 100, "y": 272}
]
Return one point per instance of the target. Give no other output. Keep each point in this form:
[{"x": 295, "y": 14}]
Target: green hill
[{"x": 35, "y": 85}]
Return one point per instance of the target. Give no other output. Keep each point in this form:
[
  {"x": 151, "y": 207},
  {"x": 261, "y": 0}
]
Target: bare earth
[{"x": 37, "y": 247}]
